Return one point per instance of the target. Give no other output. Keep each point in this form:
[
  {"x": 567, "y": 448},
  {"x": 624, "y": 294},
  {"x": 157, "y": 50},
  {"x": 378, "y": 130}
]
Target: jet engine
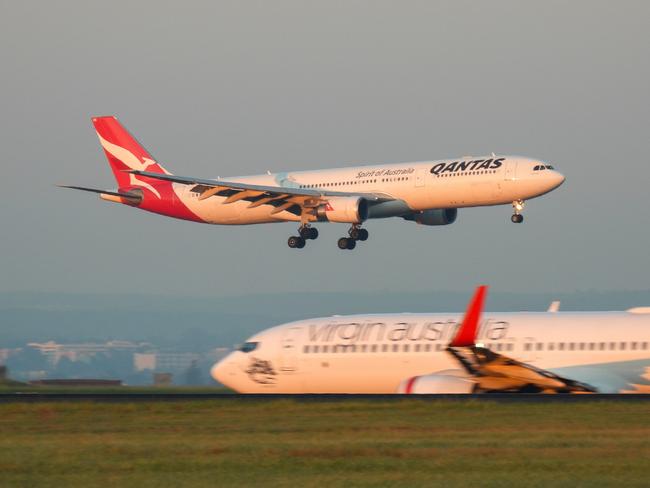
[
  {"x": 444, "y": 382},
  {"x": 436, "y": 216},
  {"x": 351, "y": 210}
]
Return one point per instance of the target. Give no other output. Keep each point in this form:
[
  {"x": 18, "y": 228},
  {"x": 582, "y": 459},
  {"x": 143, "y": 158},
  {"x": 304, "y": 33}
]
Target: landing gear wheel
[
  {"x": 308, "y": 233},
  {"x": 296, "y": 242},
  {"x": 517, "y": 218},
  {"x": 346, "y": 243},
  {"x": 358, "y": 234}
]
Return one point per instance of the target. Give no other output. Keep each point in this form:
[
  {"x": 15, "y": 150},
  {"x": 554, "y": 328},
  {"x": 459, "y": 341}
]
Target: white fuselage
[
  {"x": 375, "y": 353},
  {"x": 414, "y": 187}
]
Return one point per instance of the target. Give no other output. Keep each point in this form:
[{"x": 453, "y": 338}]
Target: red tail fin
[
  {"x": 466, "y": 335},
  {"x": 124, "y": 152}
]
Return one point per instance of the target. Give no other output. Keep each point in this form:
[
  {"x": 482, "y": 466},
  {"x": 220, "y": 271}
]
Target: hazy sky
[{"x": 228, "y": 88}]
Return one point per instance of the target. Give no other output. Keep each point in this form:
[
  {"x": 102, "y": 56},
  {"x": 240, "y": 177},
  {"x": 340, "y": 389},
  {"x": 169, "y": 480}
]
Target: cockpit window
[
  {"x": 248, "y": 346},
  {"x": 542, "y": 167}
]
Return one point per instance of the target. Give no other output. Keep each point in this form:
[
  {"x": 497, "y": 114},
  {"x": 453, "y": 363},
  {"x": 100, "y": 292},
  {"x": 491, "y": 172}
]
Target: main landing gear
[
  {"x": 356, "y": 233},
  {"x": 518, "y": 206},
  {"x": 305, "y": 232}
]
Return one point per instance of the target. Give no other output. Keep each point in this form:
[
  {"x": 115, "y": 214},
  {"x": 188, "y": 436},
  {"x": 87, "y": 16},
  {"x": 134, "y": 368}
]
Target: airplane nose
[
  {"x": 556, "y": 178},
  {"x": 218, "y": 371}
]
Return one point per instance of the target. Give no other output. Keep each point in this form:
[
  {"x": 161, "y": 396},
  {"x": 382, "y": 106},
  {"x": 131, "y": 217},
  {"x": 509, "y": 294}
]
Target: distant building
[
  {"x": 7, "y": 353},
  {"x": 54, "y": 351},
  {"x": 164, "y": 361},
  {"x": 144, "y": 360}
]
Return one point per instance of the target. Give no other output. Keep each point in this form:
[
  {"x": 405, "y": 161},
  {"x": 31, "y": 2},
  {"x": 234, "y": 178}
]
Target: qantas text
[{"x": 477, "y": 164}]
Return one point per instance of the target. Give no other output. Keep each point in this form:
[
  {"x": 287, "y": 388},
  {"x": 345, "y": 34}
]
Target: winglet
[{"x": 466, "y": 335}]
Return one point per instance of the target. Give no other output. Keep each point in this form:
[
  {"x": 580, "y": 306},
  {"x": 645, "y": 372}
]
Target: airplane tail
[{"x": 124, "y": 152}]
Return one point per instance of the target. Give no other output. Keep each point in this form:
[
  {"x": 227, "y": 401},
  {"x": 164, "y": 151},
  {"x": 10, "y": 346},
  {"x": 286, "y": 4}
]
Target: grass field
[{"x": 290, "y": 443}]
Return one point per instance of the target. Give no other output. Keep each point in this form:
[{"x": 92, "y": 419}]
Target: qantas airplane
[
  {"x": 428, "y": 193},
  {"x": 551, "y": 352}
]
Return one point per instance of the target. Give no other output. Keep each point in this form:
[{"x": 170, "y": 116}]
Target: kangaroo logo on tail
[{"x": 125, "y": 153}]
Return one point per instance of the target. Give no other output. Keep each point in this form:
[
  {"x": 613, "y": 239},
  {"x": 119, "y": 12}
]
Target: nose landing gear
[
  {"x": 356, "y": 233},
  {"x": 518, "y": 206},
  {"x": 305, "y": 232}
]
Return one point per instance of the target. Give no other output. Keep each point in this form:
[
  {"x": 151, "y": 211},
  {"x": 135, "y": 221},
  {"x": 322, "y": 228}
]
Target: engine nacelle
[
  {"x": 436, "y": 216},
  {"x": 445, "y": 382},
  {"x": 350, "y": 210}
]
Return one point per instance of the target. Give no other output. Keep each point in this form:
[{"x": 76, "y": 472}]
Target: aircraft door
[
  {"x": 510, "y": 173},
  {"x": 420, "y": 176},
  {"x": 288, "y": 353}
]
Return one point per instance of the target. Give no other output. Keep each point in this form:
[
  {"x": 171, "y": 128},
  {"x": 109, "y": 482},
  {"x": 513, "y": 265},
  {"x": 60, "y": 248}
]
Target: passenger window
[
  {"x": 374, "y": 348},
  {"x": 315, "y": 349},
  {"x": 527, "y": 346},
  {"x": 395, "y": 347},
  {"x": 427, "y": 348},
  {"x": 406, "y": 348},
  {"x": 438, "y": 347},
  {"x": 622, "y": 346},
  {"x": 560, "y": 346},
  {"x": 601, "y": 346},
  {"x": 305, "y": 349},
  {"x": 325, "y": 348},
  {"x": 384, "y": 348},
  {"x": 644, "y": 345},
  {"x": 592, "y": 346},
  {"x": 633, "y": 346},
  {"x": 417, "y": 348},
  {"x": 540, "y": 346},
  {"x": 551, "y": 346},
  {"x": 572, "y": 346}
]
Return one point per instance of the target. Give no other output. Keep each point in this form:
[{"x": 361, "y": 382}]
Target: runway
[{"x": 44, "y": 397}]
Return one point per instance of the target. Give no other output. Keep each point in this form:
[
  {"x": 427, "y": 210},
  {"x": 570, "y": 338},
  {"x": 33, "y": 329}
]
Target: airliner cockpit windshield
[
  {"x": 248, "y": 346},
  {"x": 542, "y": 167}
]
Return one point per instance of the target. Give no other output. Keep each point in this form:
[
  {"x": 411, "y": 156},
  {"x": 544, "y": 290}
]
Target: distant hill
[{"x": 204, "y": 322}]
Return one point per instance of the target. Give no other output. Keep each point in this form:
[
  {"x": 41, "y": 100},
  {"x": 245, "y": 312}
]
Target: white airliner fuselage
[
  {"x": 428, "y": 193},
  {"x": 412, "y": 188},
  {"x": 378, "y": 353}
]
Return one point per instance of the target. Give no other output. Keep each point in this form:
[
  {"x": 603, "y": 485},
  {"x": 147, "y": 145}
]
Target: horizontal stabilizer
[{"x": 131, "y": 197}]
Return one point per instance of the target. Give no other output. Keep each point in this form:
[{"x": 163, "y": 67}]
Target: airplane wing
[
  {"x": 495, "y": 372},
  {"x": 293, "y": 200}
]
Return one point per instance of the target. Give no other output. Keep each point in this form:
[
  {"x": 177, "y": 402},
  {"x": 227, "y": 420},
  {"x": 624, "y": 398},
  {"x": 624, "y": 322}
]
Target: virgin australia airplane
[
  {"x": 428, "y": 193},
  {"x": 551, "y": 352}
]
